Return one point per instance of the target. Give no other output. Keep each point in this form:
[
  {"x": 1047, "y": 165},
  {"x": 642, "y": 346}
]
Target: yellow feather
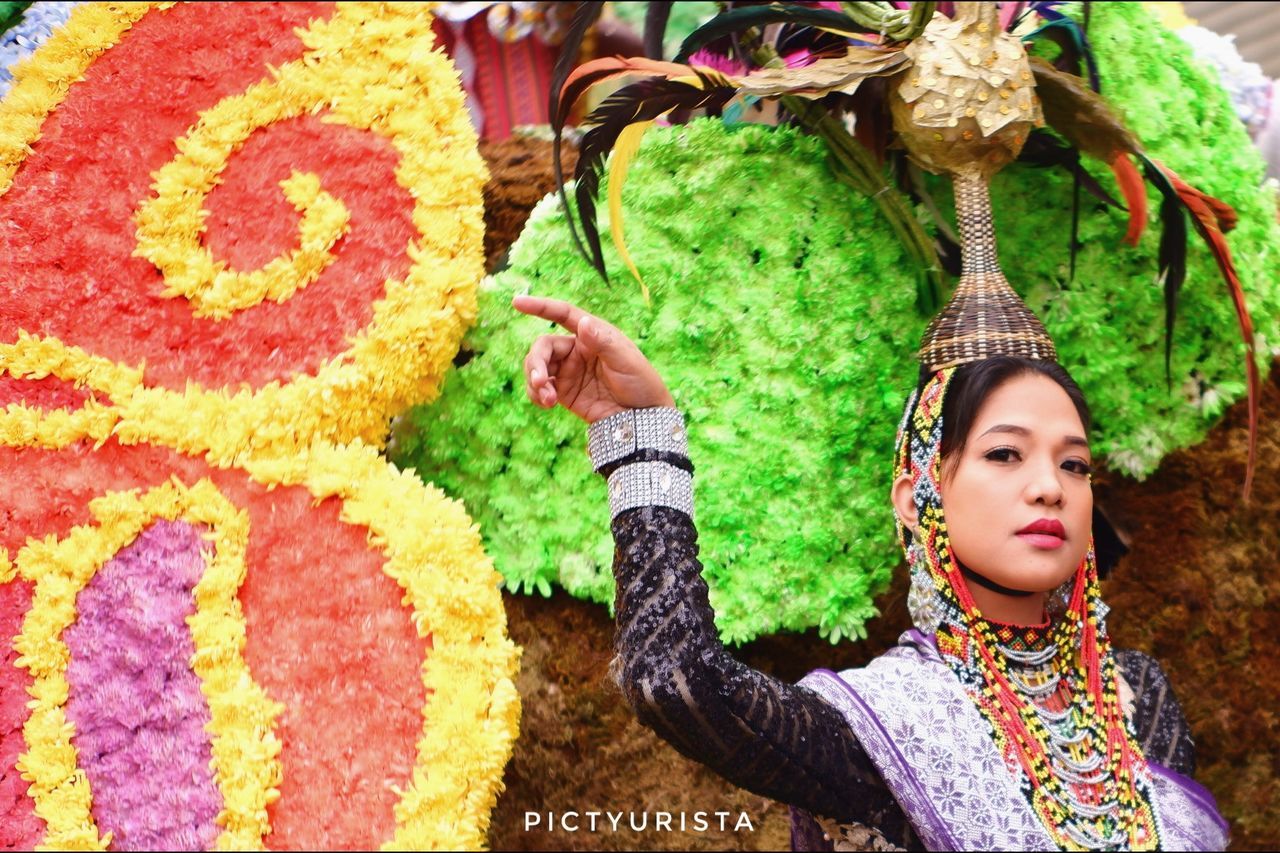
[{"x": 624, "y": 151}]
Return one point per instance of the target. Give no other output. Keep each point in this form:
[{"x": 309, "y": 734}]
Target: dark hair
[{"x": 975, "y": 381}]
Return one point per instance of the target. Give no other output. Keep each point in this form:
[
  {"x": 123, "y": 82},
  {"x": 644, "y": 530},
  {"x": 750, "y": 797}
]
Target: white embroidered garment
[{"x": 936, "y": 753}]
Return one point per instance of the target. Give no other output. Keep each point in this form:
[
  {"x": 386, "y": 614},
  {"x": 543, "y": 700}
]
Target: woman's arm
[
  {"x": 1157, "y": 717},
  {"x": 776, "y": 739}
]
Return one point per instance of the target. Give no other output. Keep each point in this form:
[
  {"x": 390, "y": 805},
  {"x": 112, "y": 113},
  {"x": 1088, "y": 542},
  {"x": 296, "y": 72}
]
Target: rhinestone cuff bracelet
[
  {"x": 650, "y": 484},
  {"x": 623, "y": 433}
]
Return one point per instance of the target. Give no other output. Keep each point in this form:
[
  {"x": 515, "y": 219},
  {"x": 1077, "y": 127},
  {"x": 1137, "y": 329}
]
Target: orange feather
[
  {"x": 1212, "y": 217},
  {"x": 607, "y": 68},
  {"x": 1135, "y": 193}
]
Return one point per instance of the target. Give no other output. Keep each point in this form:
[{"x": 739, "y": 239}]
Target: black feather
[
  {"x": 821, "y": 43},
  {"x": 1077, "y": 54},
  {"x": 1045, "y": 149},
  {"x": 736, "y": 20},
  {"x": 1173, "y": 254},
  {"x": 640, "y": 101},
  {"x": 583, "y": 17}
]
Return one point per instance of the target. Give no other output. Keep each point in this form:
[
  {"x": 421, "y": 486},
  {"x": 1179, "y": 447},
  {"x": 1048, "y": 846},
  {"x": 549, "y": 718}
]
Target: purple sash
[{"x": 935, "y": 753}]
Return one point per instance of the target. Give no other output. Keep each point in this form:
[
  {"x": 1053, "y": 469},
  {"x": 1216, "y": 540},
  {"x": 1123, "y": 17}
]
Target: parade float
[{"x": 236, "y": 245}]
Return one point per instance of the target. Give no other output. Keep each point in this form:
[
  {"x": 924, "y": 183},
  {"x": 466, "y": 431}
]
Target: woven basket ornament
[{"x": 965, "y": 110}]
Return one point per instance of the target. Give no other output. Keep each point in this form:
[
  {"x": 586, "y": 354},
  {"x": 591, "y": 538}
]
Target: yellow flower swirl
[
  {"x": 170, "y": 225},
  {"x": 372, "y": 67}
]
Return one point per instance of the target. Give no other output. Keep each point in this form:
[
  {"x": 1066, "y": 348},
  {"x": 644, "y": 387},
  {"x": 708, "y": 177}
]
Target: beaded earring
[
  {"x": 1060, "y": 599},
  {"x": 924, "y": 603}
]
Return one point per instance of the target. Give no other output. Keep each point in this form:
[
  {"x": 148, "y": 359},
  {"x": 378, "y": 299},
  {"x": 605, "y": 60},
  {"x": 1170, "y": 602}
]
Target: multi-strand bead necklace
[{"x": 1052, "y": 705}]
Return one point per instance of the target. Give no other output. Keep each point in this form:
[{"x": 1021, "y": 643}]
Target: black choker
[{"x": 990, "y": 584}]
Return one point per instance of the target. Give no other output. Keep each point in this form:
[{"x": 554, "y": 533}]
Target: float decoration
[
  {"x": 781, "y": 324},
  {"x": 327, "y": 629}
]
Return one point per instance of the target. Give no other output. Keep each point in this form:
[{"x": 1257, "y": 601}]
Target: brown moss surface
[
  {"x": 520, "y": 174},
  {"x": 1200, "y": 590}
]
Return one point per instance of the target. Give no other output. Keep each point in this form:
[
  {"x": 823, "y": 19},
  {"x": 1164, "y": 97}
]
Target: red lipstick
[{"x": 1045, "y": 534}]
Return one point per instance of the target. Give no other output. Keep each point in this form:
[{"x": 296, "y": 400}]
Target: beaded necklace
[{"x": 1048, "y": 692}]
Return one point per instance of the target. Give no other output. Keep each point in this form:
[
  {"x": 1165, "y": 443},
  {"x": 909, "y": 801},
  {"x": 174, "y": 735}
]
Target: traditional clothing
[
  {"x": 937, "y": 757},
  {"x": 504, "y": 53},
  {"x": 791, "y": 742}
]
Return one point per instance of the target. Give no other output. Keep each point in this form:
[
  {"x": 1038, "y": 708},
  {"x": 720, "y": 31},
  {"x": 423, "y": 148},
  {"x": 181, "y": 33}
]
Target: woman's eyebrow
[{"x": 1074, "y": 440}]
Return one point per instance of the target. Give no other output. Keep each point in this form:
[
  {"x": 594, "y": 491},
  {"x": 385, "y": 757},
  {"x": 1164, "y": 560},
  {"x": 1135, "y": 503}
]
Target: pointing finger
[
  {"x": 604, "y": 339},
  {"x": 557, "y": 311}
]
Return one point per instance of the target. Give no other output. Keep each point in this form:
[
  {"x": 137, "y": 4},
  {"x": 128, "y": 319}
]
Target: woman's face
[{"x": 1025, "y": 463}]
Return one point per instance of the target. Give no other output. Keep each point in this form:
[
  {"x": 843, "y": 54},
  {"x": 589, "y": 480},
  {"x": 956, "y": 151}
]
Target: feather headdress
[{"x": 960, "y": 94}]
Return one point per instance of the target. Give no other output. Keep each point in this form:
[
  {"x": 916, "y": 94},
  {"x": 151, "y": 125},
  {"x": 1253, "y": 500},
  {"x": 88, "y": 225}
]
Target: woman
[{"x": 1005, "y": 721}]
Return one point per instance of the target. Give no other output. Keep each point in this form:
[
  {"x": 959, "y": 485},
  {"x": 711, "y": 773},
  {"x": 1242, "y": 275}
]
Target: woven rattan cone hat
[
  {"x": 965, "y": 110},
  {"x": 984, "y": 317}
]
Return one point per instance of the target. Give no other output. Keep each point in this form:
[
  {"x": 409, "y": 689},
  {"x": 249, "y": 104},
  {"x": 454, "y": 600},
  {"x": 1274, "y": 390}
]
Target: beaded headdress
[{"x": 1082, "y": 772}]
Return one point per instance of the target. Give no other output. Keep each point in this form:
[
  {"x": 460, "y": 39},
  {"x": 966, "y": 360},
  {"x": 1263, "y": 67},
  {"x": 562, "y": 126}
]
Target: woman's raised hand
[{"x": 594, "y": 372}]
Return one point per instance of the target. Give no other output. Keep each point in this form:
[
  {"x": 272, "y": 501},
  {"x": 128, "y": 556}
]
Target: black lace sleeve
[
  {"x": 1158, "y": 721},
  {"x": 776, "y": 739}
]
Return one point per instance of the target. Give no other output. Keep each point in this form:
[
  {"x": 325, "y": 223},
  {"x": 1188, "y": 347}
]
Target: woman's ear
[{"x": 904, "y": 503}]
